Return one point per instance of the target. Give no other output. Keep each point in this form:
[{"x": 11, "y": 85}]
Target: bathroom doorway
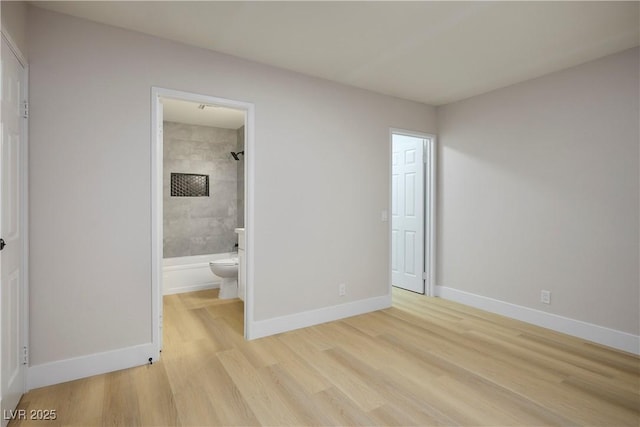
[
  {"x": 201, "y": 203},
  {"x": 412, "y": 225}
]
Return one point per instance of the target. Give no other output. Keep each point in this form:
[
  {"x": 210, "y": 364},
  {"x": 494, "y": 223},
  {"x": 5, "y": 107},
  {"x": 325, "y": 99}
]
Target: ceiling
[
  {"x": 430, "y": 52},
  {"x": 175, "y": 110}
]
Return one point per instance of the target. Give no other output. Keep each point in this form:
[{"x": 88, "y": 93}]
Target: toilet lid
[{"x": 228, "y": 261}]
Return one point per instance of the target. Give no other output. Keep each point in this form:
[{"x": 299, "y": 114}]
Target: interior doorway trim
[
  {"x": 156, "y": 201},
  {"x": 430, "y": 173}
]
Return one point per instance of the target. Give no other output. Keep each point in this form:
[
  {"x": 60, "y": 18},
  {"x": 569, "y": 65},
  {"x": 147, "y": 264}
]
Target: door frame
[
  {"x": 429, "y": 208},
  {"x": 24, "y": 209},
  {"x": 157, "y": 210}
]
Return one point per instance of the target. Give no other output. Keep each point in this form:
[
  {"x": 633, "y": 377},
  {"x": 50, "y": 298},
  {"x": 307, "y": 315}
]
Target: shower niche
[{"x": 189, "y": 185}]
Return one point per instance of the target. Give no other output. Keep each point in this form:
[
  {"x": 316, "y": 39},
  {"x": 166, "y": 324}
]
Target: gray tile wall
[
  {"x": 240, "y": 179},
  {"x": 200, "y": 225}
]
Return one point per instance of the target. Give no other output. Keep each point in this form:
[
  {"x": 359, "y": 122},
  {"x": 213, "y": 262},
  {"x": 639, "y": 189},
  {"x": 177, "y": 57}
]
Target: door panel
[
  {"x": 410, "y": 253},
  {"x": 12, "y": 369},
  {"x": 394, "y": 251},
  {"x": 410, "y": 195},
  {"x": 10, "y": 311},
  {"x": 407, "y": 212}
]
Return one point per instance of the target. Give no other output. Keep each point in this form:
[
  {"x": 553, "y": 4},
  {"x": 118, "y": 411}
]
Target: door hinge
[
  {"x": 424, "y": 275},
  {"x": 25, "y": 109},
  {"x": 25, "y": 355}
]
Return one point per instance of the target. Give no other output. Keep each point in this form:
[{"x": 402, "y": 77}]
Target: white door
[
  {"x": 407, "y": 212},
  {"x": 12, "y": 95}
]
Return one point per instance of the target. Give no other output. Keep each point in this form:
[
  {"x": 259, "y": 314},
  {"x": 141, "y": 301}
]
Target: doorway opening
[
  {"x": 412, "y": 227},
  {"x": 202, "y": 172}
]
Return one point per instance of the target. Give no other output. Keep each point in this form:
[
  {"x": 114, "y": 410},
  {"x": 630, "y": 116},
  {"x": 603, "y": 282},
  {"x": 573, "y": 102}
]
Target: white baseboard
[
  {"x": 599, "y": 334},
  {"x": 263, "y": 328},
  {"x": 93, "y": 364}
]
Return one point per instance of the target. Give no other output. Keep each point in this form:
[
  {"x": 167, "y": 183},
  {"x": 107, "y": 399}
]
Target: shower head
[{"x": 236, "y": 156}]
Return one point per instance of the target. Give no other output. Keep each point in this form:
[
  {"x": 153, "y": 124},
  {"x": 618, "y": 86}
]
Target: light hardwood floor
[{"x": 424, "y": 361}]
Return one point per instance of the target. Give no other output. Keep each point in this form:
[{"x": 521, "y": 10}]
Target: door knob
[{"x": 2, "y": 244}]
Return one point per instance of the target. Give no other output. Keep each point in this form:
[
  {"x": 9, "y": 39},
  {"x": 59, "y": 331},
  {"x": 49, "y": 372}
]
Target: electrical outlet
[
  {"x": 545, "y": 297},
  {"x": 342, "y": 289}
]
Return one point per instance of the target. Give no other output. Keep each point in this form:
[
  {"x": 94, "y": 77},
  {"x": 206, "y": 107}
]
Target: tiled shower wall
[{"x": 200, "y": 225}]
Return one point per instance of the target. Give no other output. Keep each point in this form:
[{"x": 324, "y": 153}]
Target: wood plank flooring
[{"x": 425, "y": 361}]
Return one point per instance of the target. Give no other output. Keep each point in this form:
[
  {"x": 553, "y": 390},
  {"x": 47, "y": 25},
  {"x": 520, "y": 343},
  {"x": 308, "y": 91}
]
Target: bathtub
[{"x": 190, "y": 273}]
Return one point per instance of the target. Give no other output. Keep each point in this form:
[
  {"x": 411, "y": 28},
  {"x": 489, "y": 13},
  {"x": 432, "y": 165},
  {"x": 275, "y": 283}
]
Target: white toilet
[{"x": 227, "y": 269}]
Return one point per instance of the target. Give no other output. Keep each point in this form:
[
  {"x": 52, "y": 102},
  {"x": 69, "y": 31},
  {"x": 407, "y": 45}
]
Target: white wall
[
  {"x": 14, "y": 22},
  {"x": 321, "y": 155},
  {"x": 539, "y": 189}
]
